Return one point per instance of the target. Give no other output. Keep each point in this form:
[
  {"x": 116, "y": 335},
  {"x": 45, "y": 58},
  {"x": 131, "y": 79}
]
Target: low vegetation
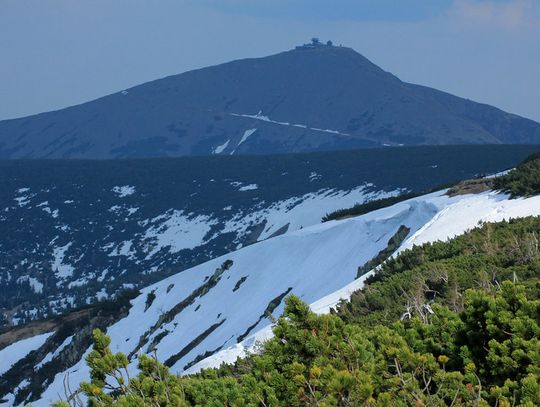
[
  {"x": 471, "y": 186},
  {"x": 442, "y": 271},
  {"x": 524, "y": 180}
]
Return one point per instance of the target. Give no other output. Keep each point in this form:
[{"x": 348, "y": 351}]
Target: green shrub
[{"x": 524, "y": 180}]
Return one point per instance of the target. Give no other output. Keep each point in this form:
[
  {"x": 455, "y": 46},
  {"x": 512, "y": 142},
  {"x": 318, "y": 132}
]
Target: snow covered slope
[
  {"x": 18, "y": 350},
  {"x": 213, "y": 312},
  {"x": 453, "y": 218},
  {"x": 80, "y": 231}
]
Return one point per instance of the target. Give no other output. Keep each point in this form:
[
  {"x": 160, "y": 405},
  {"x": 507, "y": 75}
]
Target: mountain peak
[
  {"x": 328, "y": 47},
  {"x": 317, "y": 96}
]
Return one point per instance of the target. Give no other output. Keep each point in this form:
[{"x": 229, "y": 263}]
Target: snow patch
[
  {"x": 115, "y": 208},
  {"x": 177, "y": 231},
  {"x": 13, "y": 353},
  {"x": 79, "y": 282},
  {"x": 36, "y": 286},
  {"x": 123, "y": 191},
  {"x": 246, "y": 135},
  {"x": 53, "y": 214},
  {"x": 124, "y": 249},
  {"x": 131, "y": 210},
  {"x": 314, "y": 176},
  {"x": 261, "y": 117},
  {"x": 103, "y": 275},
  {"x": 249, "y": 187},
  {"x": 102, "y": 294},
  {"x": 61, "y": 270},
  {"x": 219, "y": 149},
  {"x": 300, "y": 211},
  {"x": 22, "y": 201}
]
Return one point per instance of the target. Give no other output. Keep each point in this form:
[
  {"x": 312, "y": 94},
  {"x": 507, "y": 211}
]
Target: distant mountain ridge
[{"x": 307, "y": 99}]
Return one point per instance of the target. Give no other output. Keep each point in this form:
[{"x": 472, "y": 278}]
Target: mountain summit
[{"x": 315, "y": 97}]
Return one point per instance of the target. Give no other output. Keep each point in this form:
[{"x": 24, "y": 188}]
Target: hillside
[
  {"x": 307, "y": 99},
  {"x": 463, "y": 337},
  {"x": 217, "y": 310},
  {"x": 80, "y": 231}
]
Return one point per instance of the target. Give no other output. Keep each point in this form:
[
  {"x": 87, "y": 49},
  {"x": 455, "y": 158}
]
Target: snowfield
[
  {"x": 297, "y": 212},
  {"x": 452, "y": 219},
  {"x": 215, "y": 312},
  {"x": 177, "y": 231}
]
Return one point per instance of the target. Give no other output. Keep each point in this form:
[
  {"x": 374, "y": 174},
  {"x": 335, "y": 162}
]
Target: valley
[
  {"x": 198, "y": 318},
  {"x": 77, "y": 232}
]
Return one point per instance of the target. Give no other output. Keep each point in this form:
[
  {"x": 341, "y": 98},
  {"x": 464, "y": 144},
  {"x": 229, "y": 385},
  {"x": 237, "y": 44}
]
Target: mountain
[
  {"x": 219, "y": 308},
  {"x": 76, "y": 232},
  {"x": 307, "y": 99}
]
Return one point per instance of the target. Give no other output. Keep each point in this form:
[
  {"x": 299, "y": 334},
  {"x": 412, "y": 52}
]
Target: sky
[{"x": 58, "y": 53}]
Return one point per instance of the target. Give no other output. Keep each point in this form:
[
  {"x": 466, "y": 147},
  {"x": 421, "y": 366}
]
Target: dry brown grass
[
  {"x": 13, "y": 334},
  {"x": 471, "y": 186}
]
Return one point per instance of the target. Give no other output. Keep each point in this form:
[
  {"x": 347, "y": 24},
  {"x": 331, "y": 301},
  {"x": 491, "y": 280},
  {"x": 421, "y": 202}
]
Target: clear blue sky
[{"x": 57, "y": 53}]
